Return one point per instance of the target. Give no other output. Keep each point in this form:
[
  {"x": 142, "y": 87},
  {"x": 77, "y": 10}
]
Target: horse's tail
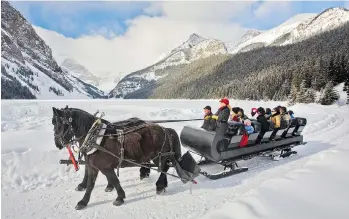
[{"x": 176, "y": 144}]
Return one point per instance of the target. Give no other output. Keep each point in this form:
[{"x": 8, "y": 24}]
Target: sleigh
[{"x": 228, "y": 149}]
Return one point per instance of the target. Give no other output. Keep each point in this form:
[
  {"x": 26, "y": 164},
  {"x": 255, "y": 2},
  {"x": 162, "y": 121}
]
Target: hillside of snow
[
  {"x": 196, "y": 47},
  {"x": 80, "y": 71},
  {"x": 295, "y": 29},
  {"x": 271, "y": 35},
  {"x": 311, "y": 184},
  {"x": 298, "y": 28},
  {"x": 28, "y": 69},
  {"x": 325, "y": 21},
  {"x": 106, "y": 80}
]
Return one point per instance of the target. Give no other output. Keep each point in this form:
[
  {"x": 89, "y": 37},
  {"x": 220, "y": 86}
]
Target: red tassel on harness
[{"x": 72, "y": 158}]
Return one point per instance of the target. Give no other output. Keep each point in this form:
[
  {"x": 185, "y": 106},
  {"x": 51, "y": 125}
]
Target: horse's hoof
[
  {"x": 80, "y": 188},
  {"x": 160, "y": 191},
  {"x": 144, "y": 176},
  {"x": 109, "y": 189},
  {"x": 118, "y": 202},
  {"x": 80, "y": 205}
]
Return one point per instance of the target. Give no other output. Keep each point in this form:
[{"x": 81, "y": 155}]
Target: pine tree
[
  {"x": 329, "y": 95},
  {"x": 310, "y": 96},
  {"x": 292, "y": 98},
  {"x": 302, "y": 93}
]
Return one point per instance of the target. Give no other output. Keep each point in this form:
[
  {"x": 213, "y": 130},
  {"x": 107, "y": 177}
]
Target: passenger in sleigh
[
  {"x": 209, "y": 123},
  {"x": 262, "y": 119},
  {"x": 248, "y": 126},
  {"x": 285, "y": 117},
  {"x": 238, "y": 115},
  {"x": 290, "y": 112},
  {"x": 276, "y": 119},
  {"x": 267, "y": 113},
  {"x": 254, "y": 113},
  {"x": 222, "y": 116}
]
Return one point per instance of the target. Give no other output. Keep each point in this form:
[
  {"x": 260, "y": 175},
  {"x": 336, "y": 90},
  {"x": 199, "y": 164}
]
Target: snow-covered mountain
[
  {"x": 28, "y": 69},
  {"x": 247, "y": 36},
  {"x": 194, "y": 48},
  {"x": 325, "y": 21},
  {"x": 106, "y": 80},
  {"x": 80, "y": 71},
  {"x": 296, "y": 29},
  {"x": 299, "y": 27},
  {"x": 268, "y": 37}
]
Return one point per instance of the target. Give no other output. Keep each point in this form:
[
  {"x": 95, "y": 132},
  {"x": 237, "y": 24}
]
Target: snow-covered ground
[{"x": 312, "y": 184}]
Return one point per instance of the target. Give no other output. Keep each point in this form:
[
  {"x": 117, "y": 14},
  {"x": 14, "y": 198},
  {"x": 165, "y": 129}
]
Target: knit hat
[
  {"x": 247, "y": 122},
  {"x": 253, "y": 111},
  {"x": 225, "y": 101},
  {"x": 261, "y": 110},
  {"x": 208, "y": 108}
]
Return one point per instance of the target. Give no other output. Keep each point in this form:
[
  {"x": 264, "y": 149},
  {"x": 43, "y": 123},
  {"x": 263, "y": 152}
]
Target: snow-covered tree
[{"x": 329, "y": 95}]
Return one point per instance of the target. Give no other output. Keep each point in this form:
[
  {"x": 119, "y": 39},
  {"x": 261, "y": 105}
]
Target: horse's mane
[
  {"x": 88, "y": 114},
  {"x": 86, "y": 117}
]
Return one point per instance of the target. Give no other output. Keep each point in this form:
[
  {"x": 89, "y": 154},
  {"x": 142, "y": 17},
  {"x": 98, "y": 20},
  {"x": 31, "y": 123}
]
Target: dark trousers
[
  {"x": 260, "y": 137},
  {"x": 272, "y": 136}
]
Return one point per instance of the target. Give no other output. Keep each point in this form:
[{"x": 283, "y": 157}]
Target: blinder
[{"x": 59, "y": 123}]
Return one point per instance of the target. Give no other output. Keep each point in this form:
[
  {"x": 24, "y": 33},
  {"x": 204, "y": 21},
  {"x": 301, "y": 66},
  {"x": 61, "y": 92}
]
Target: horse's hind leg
[
  {"x": 91, "y": 179},
  {"x": 82, "y": 186},
  {"x": 161, "y": 184},
  {"x": 113, "y": 179}
]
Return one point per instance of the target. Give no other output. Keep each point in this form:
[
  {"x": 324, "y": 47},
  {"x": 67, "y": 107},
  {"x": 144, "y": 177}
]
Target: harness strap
[
  {"x": 121, "y": 139},
  {"x": 134, "y": 163}
]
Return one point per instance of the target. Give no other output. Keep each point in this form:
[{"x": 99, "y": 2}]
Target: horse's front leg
[
  {"x": 111, "y": 176},
  {"x": 109, "y": 187},
  {"x": 82, "y": 186},
  {"x": 91, "y": 179}
]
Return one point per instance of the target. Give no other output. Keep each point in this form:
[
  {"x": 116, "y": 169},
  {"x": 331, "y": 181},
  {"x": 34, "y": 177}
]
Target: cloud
[
  {"x": 269, "y": 9},
  {"x": 165, "y": 26}
]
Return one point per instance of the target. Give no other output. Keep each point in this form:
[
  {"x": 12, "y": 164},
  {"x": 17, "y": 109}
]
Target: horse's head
[
  {"x": 69, "y": 123},
  {"x": 62, "y": 122}
]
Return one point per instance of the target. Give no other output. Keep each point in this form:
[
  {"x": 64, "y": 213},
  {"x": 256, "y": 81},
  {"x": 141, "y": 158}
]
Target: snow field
[{"x": 311, "y": 184}]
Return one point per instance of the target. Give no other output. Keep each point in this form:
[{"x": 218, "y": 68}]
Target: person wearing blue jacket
[{"x": 248, "y": 126}]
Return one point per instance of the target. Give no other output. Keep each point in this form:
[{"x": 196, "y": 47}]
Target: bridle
[{"x": 62, "y": 121}]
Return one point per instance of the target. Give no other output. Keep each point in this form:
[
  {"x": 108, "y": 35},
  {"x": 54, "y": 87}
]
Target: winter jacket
[
  {"x": 222, "y": 117},
  {"x": 249, "y": 129},
  {"x": 285, "y": 120},
  {"x": 265, "y": 125},
  {"x": 209, "y": 123},
  {"x": 276, "y": 119}
]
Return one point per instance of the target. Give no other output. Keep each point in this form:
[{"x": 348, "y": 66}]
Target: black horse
[{"x": 141, "y": 145}]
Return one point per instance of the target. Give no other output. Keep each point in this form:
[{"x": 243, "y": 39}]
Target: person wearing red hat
[
  {"x": 253, "y": 112},
  {"x": 222, "y": 116}
]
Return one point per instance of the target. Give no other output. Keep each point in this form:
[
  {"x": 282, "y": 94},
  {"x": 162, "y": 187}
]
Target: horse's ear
[
  {"x": 66, "y": 107},
  {"x": 54, "y": 110}
]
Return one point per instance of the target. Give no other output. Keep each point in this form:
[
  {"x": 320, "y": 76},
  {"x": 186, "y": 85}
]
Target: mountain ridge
[
  {"x": 28, "y": 67},
  {"x": 291, "y": 31}
]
